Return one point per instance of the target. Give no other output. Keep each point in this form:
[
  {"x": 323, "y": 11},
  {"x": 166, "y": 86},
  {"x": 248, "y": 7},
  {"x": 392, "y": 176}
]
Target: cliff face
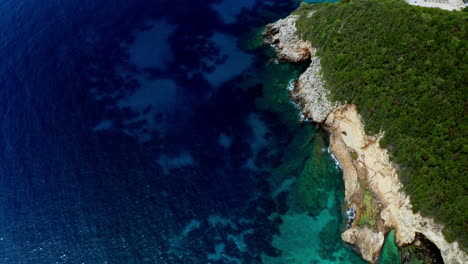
[
  {"x": 308, "y": 91},
  {"x": 371, "y": 165},
  {"x": 366, "y": 167}
]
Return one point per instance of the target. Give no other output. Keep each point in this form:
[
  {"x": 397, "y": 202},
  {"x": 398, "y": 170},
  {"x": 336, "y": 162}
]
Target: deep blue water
[{"x": 157, "y": 132}]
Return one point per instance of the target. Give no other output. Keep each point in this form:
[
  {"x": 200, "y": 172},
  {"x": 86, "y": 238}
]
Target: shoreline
[{"x": 370, "y": 178}]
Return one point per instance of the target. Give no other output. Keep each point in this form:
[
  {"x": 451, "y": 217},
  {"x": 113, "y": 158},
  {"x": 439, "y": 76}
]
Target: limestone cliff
[
  {"x": 309, "y": 92},
  {"x": 367, "y": 170}
]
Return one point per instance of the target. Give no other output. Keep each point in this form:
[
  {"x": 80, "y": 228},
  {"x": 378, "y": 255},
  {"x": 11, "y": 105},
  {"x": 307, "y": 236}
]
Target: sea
[{"x": 162, "y": 132}]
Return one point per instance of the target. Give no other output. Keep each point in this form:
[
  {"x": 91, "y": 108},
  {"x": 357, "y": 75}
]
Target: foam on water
[
  {"x": 290, "y": 86},
  {"x": 335, "y": 160}
]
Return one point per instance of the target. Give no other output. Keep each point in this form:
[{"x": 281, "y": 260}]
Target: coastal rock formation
[
  {"x": 309, "y": 92},
  {"x": 372, "y": 164},
  {"x": 364, "y": 163},
  {"x": 368, "y": 241},
  {"x": 282, "y": 36}
]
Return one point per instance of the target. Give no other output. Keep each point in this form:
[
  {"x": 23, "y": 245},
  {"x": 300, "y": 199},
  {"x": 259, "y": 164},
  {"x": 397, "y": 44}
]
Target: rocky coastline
[{"x": 372, "y": 187}]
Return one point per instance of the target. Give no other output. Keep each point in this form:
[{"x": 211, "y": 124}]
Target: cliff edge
[{"x": 372, "y": 187}]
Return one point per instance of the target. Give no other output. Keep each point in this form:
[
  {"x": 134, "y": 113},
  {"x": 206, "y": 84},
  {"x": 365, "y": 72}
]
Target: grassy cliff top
[{"x": 405, "y": 67}]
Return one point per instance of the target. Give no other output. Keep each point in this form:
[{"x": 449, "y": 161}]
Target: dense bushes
[{"x": 405, "y": 67}]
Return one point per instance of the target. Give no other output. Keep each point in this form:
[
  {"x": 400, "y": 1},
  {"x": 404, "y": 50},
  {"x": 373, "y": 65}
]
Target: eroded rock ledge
[{"x": 366, "y": 167}]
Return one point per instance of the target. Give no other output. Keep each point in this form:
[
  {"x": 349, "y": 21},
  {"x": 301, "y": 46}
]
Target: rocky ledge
[{"x": 370, "y": 178}]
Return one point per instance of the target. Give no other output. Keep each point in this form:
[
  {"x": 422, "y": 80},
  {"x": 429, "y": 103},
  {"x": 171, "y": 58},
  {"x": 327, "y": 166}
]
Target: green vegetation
[
  {"x": 421, "y": 251},
  {"x": 368, "y": 214},
  {"x": 405, "y": 69},
  {"x": 416, "y": 255}
]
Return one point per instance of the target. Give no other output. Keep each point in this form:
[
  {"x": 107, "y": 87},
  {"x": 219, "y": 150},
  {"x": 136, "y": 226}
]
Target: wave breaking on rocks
[{"x": 370, "y": 177}]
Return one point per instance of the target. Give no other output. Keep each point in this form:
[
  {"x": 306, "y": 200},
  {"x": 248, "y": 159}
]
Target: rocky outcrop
[
  {"x": 310, "y": 94},
  {"x": 368, "y": 241},
  {"x": 309, "y": 91},
  {"x": 372, "y": 165},
  {"x": 282, "y": 36},
  {"x": 344, "y": 134},
  {"x": 364, "y": 163}
]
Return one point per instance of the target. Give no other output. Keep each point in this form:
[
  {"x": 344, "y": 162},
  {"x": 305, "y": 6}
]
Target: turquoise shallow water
[
  {"x": 310, "y": 229},
  {"x": 308, "y": 179},
  {"x": 390, "y": 253},
  {"x": 130, "y": 136}
]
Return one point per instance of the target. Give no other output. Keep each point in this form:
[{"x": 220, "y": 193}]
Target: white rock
[
  {"x": 308, "y": 90},
  {"x": 372, "y": 165},
  {"x": 282, "y": 36},
  {"x": 311, "y": 94},
  {"x": 383, "y": 182},
  {"x": 367, "y": 241}
]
